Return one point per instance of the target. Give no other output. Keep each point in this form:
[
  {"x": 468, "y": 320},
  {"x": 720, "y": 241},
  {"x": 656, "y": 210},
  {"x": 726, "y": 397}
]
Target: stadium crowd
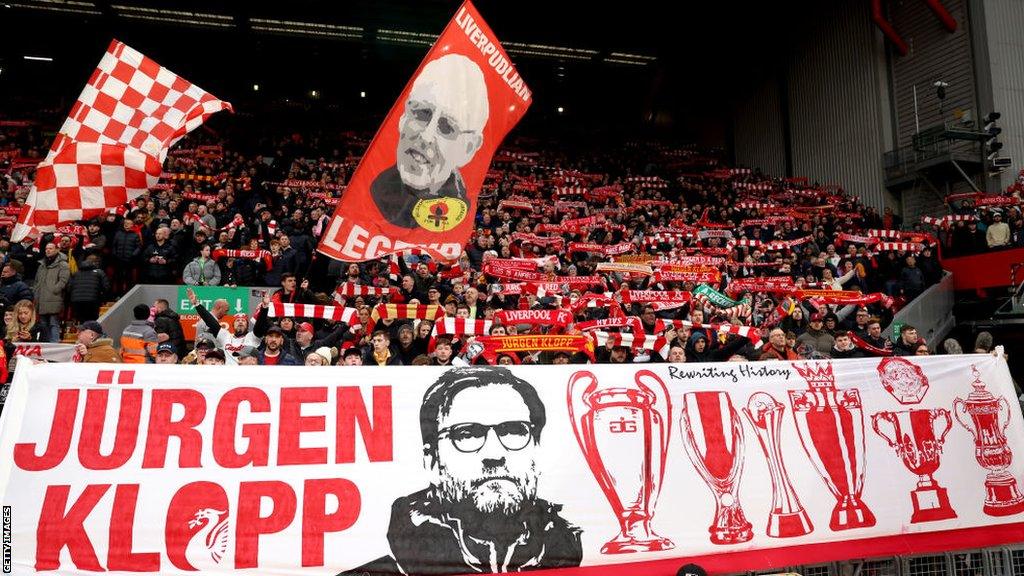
[{"x": 656, "y": 253}]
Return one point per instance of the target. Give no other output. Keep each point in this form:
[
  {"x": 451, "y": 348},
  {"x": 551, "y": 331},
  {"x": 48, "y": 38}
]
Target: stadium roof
[{"x": 573, "y": 54}]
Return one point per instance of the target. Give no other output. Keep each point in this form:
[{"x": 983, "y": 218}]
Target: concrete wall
[
  {"x": 758, "y": 128},
  {"x": 1003, "y": 22},
  {"x": 120, "y": 314},
  {"x": 836, "y": 100}
]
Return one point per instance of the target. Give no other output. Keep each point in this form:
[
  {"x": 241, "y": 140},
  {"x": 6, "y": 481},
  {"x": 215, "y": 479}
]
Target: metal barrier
[
  {"x": 1001, "y": 561},
  {"x": 120, "y": 314},
  {"x": 931, "y": 312}
]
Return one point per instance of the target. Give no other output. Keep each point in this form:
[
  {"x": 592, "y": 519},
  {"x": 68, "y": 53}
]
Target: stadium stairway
[{"x": 69, "y": 334}]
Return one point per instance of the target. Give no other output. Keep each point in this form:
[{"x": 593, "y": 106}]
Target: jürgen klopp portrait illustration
[{"x": 481, "y": 430}]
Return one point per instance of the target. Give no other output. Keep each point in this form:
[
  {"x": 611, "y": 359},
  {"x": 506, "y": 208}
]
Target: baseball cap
[
  {"x": 247, "y": 352},
  {"x": 215, "y": 353},
  {"x": 817, "y": 317},
  {"x": 91, "y": 325},
  {"x": 166, "y": 347},
  {"x": 274, "y": 328},
  {"x": 352, "y": 351},
  {"x": 306, "y": 327},
  {"x": 206, "y": 342}
]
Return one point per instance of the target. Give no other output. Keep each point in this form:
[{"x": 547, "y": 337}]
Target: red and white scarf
[
  {"x": 237, "y": 222},
  {"x": 899, "y": 246},
  {"x": 259, "y": 255},
  {"x": 555, "y": 318},
  {"x": 699, "y": 276},
  {"x": 515, "y": 205},
  {"x": 351, "y": 289},
  {"x": 643, "y": 296},
  {"x": 199, "y": 196},
  {"x": 712, "y": 261},
  {"x": 621, "y": 248},
  {"x": 335, "y": 313},
  {"x": 773, "y": 284},
  {"x": 556, "y": 241},
  {"x": 749, "y": 332},
  {"x": 945, "y": 221},
  {"x": 636, "y": 341},
  {"x": 457, "y": 327},
  {"x": 404, "y": 312},
  {"x": 631, "y": 322}
]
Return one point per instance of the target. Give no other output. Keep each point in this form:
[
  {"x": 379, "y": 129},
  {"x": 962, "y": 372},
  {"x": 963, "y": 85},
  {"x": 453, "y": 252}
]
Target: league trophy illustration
[
  {"x": 830, "y": 424},
  {"x": 623, "y": 430},
  {"x": 713, "y": 436},
  {"x": 986, "y": 418},
  {"x": 787, "y": 517},
  {"x": 917, "y": 437}
]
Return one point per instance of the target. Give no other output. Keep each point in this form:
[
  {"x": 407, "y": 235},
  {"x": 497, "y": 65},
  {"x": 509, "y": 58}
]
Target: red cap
[
  {"x": 817, "y": 317},
  {"x": 306, "y": 327}
]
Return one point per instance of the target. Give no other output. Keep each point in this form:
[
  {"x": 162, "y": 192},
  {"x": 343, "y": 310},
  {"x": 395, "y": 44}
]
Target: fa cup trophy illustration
[
  {"x": 713, "y": 436},
  {"x": 623, "y": 431},
  {"x": 986, "y": 418},
  {"x": 917, "y": 437},
  {"x": 830, "y": 424},
  {"x": 787, "y": 517}
]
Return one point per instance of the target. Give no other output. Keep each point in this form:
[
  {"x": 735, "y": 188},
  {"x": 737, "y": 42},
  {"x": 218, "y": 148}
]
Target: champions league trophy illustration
[
  {"x": 830, "y": 424},
  {"x": 986, "y": 418},
  {"x": 787, "y": 517},
  {"x": 713, "y": 435},
  {"x": 623, "y": 431},
  {"x": 917, "y": 436}
]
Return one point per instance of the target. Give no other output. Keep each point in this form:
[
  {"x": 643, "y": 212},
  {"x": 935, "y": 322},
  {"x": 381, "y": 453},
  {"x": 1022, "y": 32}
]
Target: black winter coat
[
  {"x": 167, "y": 272},
  {"x": 14, "y": 289},
  {"x": 169, "y": 322},
  {"x": 127, "y": 247},
  {"x": 89, "y": 285}
]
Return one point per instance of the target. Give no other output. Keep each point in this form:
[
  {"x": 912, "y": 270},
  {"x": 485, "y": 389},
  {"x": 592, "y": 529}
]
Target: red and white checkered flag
[{"x": 114, "y": 141}]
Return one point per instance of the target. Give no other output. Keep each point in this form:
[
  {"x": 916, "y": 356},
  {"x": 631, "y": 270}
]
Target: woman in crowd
[
  {"x": 320, "y": 357},
  {"x": 24, "y": 327}
]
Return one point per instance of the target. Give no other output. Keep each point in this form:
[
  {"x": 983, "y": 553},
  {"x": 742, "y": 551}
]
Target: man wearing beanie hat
[
  {"x": 321, "y": 357},
  {"x": 408, "y": 348},
  {"x": 700, "y": 349}
]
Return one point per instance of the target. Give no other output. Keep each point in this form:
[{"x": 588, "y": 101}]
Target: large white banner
[
  {"x": 49, "y": 351},
  {"x": 417, "y": 470}
]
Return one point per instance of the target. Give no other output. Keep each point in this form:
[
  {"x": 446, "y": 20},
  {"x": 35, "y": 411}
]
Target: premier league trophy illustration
[
  {"x": 713, "y": 436},
  {"x": 830, "y": 424},
  {"x": 623, "y": 431},
  {"x": 986, "y": 418},
  {"x": 917, "y": 437},
  {"x": 787, "y": 517}
]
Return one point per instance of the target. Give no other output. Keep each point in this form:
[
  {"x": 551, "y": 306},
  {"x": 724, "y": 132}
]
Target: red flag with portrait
[{"x": 418, "y": 182}]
